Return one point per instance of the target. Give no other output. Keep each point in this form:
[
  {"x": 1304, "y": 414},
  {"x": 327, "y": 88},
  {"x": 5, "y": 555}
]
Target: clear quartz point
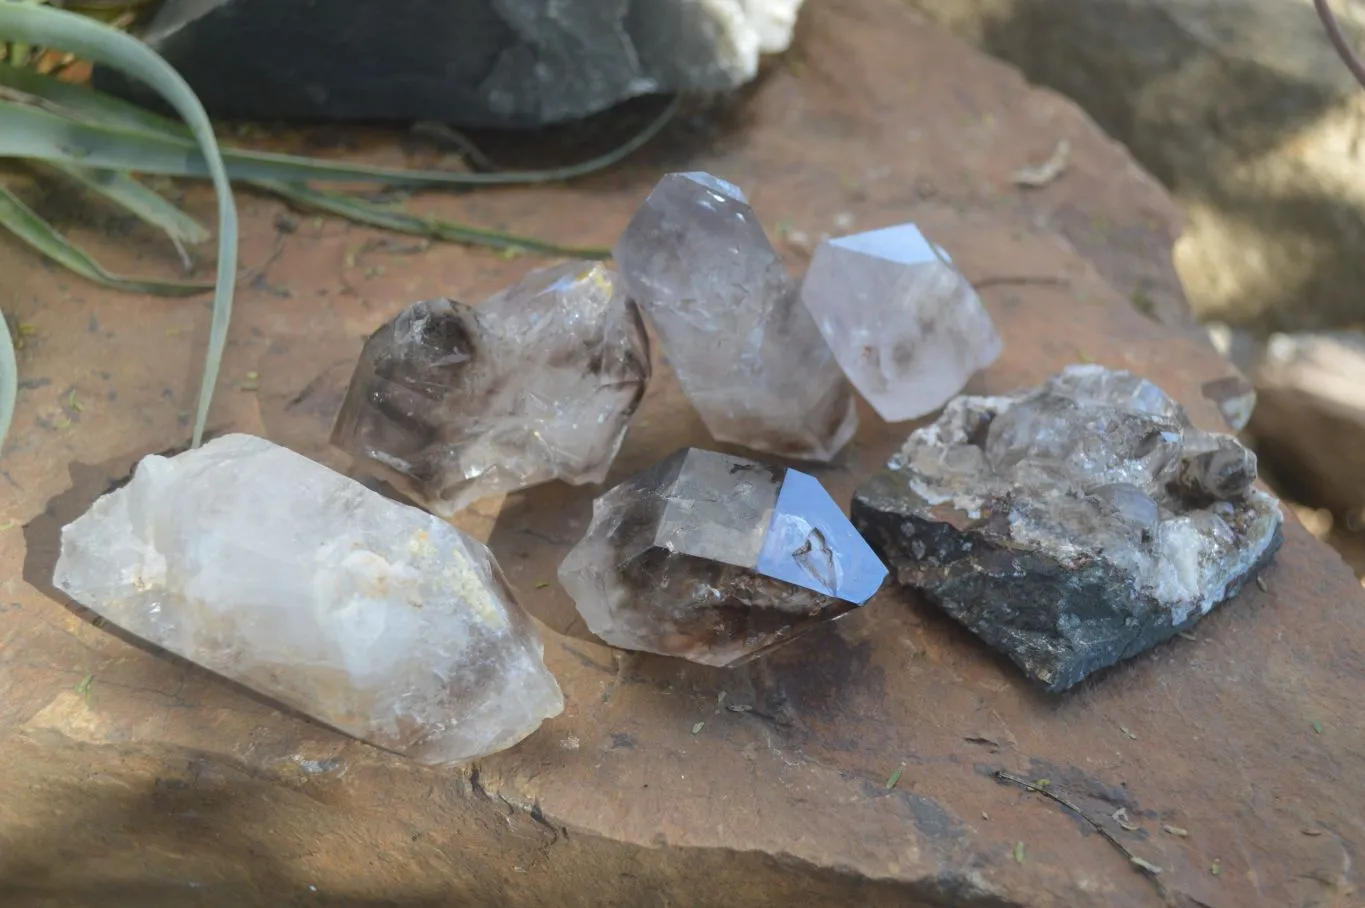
[
  {"x": 903, "y": 322},
  {"x": 371, "y": 616}
]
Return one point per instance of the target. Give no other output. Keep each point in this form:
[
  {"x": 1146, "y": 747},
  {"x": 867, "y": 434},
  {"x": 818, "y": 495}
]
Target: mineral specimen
[
  {"x": 1074, "y": 525},
  {"x": 905, "y": 325},
  {"x": 482, "y": 63},
  {"x": 368, "y": 615},
  {"x": 747, "y": 353},
  {"x": 716, "y": 559},
  {"x": 454, "y": 404}
]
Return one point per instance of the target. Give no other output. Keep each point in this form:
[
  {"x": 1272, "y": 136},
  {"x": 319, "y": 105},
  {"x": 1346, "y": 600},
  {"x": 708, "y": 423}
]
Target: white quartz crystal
[
  {"x": 905, "y": 325},
  {"x": 373, "y": 617}
]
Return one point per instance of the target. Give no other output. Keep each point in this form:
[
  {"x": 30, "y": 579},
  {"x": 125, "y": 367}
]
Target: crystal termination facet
[
  {"x": 1074, "y": 525},
  {"x": 370, "y": 616},
  {"x": 716, "y": 559}
]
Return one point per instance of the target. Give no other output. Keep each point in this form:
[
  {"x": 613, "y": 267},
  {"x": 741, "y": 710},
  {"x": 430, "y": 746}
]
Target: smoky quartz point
[
  {"x": 747, "y": 353},
  {"x": 716, "y": 559},
  {"x": 1074, "y": 525},
  {"x": 453, "y": 403},
  {"x": 902, "y": 320}
]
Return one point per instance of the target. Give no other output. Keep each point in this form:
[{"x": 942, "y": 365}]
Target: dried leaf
[
  {"x": 1146, "y": 865},
  {"x": 1039, "y": 175}
]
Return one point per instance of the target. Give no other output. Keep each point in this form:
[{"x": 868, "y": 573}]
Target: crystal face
[
  {"x": 373, "y": 617},
  {"x": 904, "y": 323},
  {"x": 1074, "y": 525},
  {"x": 716, "y": 559},
  {"x": 455, "y": 404},
  {"x": 747, "y": 353}
]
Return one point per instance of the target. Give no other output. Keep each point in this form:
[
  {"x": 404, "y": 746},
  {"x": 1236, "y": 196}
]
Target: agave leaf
[
  {"x": 139, "y": 200},
  {"x": 389, "y": 218},
  {"x": 97, "y": 130},
  {"x": 99, "y": 43},
  {"x": 9, "y": 378},
  {"x": 25, "y": 223}
]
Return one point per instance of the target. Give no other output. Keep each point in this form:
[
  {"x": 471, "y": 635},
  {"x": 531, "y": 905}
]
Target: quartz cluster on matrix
[{"x": 1073, "y": 525}]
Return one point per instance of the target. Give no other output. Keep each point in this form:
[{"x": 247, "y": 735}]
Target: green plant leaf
[
  {"x": 9, "y": 380},
  {"x": 82, "y": 126},
  {"x": 139, "y": 200},
  {"x": 100, "y": 43},
  {"x": 38, "y": 233},
  {"x": 390, "y": 218}
]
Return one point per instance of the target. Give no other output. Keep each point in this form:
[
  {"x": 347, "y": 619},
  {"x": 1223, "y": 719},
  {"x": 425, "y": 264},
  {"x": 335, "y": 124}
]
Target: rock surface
[
  {"x": 539, "y": 382},
  {"x": 156, "y": 775},
  {"x": 273, "y": 571},
  {"x": 1072, "y": 526},
  {"x": 747, "y": 352},
  {"x": 717, "y": 560},
  {"x": 905, "y": 325},
  {"x": 1243, "y": 109},
  {"x": 1309, "y": 420},
  {"x": 491, "y": 63}
]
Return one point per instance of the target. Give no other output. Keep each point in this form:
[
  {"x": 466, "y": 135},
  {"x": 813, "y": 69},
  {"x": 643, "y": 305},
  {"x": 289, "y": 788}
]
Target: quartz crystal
[
  {"x": 1074, "y": 525},
  {"x": 747, "y": 353},
  {"x": 716, "y": 559},
  {"x": 371, "y": 616},
  {"x": 904, "y": 323},
  {"x": 455, "y": 404}
]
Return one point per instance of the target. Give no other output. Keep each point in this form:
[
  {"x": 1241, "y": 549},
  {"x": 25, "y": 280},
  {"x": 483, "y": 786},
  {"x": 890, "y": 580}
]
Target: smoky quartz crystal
[
  {"x": 747, "y": 353},
  {"x": 453, "y": 403},
  {"x": 716, "y": 559}
]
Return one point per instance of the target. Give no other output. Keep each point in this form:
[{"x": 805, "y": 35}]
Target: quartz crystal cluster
[
  {"x": 903, "y": 322},
  {"x": 1074, "y": 525},
  {"x": 371, "y": 616},
  {"x": 716, "y": 559},
  {"x": 747, "y": 353},
  {"x": 454, "y": 403}
]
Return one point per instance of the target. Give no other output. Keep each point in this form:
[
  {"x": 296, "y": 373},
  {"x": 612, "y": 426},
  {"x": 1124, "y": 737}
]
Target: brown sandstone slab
[{"x": 132, "y": 779}]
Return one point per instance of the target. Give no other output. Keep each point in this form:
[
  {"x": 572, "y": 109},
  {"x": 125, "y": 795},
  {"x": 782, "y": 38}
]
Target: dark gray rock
[
  {"x": 515, "y": 63},
  {"x": 1072, "y": 526}
]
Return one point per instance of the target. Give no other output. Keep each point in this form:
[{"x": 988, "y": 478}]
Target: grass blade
[
  {"x": 38, "y": 233},
  {"x": 138, "y": 200},
  {"x": 101, "y": 44},
  {"x": 9, "y": 380},
  {"x": 117, "y": 135},
  {"x": 390, "y": 218}
]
